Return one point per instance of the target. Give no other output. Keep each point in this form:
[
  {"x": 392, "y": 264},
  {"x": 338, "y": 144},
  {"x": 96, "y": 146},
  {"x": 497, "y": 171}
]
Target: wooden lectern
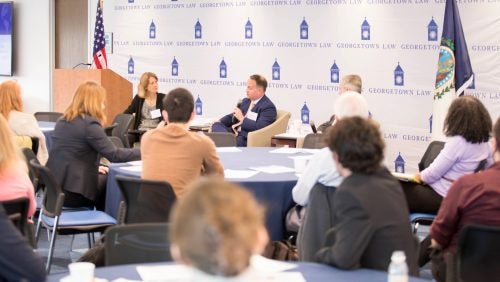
[{"x": 118, "y": 89}]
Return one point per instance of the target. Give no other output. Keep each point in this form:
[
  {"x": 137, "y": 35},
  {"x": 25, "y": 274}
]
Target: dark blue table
[
  {"x": 47, "y": 127},
  {"x": 274, "y": 191},
  {"x": 310, "y": 271}
]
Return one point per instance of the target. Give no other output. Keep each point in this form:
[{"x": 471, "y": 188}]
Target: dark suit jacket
[
  {"x": 74, "y": 155},
  {"x": 18, "y": 262},
  {"x": 136, "y": 107},
  {"x": 317, "y": 221},
  {"x": 371, "y": 221},
  {"x": 266, "y": 114}
]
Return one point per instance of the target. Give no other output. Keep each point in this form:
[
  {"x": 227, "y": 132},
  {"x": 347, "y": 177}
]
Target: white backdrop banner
[{"x": 304, "y": 47}]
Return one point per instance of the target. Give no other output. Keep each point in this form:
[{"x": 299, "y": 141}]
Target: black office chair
[
  {"x": 222, "y": 139},
  {"x": 478, "y": 253},
  {"x": 48, "y": 116},
  {"x": 430, "y": 154},
  {"x": 109, "y": 129},
  {"x": 17, "y": 210},
  {"x": 137, "y": 243},
  {"x": 30, "y": 155},
  {"x": 123, "y": 124},
  {"x": 64, "y": 221},
  {"x": 116, "y": 141},
  {"x": 314, "y": 141},
  {"x": 146, "y": 200}
]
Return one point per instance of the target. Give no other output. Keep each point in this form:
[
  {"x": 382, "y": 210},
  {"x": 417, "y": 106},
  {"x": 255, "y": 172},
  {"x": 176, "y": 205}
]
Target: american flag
[{"x": 99, "y": 53}]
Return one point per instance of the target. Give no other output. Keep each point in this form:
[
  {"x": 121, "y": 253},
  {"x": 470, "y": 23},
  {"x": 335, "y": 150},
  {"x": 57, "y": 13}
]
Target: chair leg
[
  {"x": 51, "y": 245},
  {"x": 89, "y": 241},
  {"x": 71, "y": 244},
  {"x": 38, "y": 227}
]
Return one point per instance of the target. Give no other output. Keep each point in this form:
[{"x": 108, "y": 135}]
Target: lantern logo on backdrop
[
  {"x": 222, "y": 69},
  {"x": 304, "y": 114},
  {"x": 197, "y": 30},
  {"x": 432, "y": 31},
  {"x": 248, "y": 30},
  {"x": 304, "y": 29},
  {"x": 365, "y": 30},
  {"x": 334, "y": 73},
  {"x": 130, "y": 69},
  {"x": 175, "y": 67},
  {"x": 198, "y": 105},
  {"x": 399, "y": 76},
  {"x": 131, "y": 1},
  {"x": 152, "y": 30},
  {"x": 276, "y": 70},
  {"x": 399, "y": 164}
]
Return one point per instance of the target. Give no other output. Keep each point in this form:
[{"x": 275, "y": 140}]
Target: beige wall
[{"x": 71, "y": 33}]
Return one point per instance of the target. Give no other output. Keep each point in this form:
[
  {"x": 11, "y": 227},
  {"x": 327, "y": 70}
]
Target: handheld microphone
[
  {"x": 313, "y": 127},
  {"x": 238, "y": 105},
  {"x": 81, "y": 64}
]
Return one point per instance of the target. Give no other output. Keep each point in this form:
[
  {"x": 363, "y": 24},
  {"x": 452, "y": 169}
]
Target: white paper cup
[{"x": 82, "y": 271}]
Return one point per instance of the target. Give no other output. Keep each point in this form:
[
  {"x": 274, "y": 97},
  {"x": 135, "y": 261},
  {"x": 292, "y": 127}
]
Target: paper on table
[
  {"x": 309, "y": 151},
  {"x": 286, "y": 150},
  {"x": 227, "y": 150},
  {"x": 265, "y": 265},
  {"x": 287, "y": 276},
  {"x": 272, "y": 169},
  {"x": 137, "y": 168},
  {"x": 135, "y": 163},
  {"x": 124, "y": 280},
  {"x": 164, "y": 273},
  {"x": 234, "y": 173}
]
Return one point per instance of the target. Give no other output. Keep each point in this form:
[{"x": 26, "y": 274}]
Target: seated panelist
[
  {"x": 147, "y": 104},
  {"x": 255, "y": 112}
]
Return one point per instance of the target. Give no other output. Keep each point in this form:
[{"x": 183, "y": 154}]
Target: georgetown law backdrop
[{"x": 304, "y": 47}]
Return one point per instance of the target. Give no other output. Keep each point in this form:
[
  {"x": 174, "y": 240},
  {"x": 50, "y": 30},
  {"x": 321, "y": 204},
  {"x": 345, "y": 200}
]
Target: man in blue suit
[{"x": 255, "y": 112}]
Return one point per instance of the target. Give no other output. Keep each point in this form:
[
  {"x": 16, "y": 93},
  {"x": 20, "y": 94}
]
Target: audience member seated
[
  {"x": 472, "y": 199},
  {"x": 18, "y": 261},
  {"x": 174, "y": 154},
  {"x": 371, "y": 218},
  {"x": 11, "y": 107},
  {"x": 350, "y": 82},
  {"x": 467, "y": 126},
  {"x": 215, "y": 229},
  {"x": 14, "y": 180},
  {"x": 147, "y": 104},
  {"x": 321, "y": 167},
  {"x": 255, "y": 112},
  {"x": 78, "y": 141}
]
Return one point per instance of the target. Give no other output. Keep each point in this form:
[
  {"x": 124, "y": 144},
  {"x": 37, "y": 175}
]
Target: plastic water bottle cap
[{"x": 398, "y": 256}]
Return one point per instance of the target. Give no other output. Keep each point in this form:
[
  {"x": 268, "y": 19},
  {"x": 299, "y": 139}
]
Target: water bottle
[{"x": 398, "y": 269}]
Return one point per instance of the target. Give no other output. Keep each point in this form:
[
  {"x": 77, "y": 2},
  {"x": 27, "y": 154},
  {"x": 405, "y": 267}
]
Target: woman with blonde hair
[
  {"x": 14, "y": 179},
  {"x": 147, "y": 104},
  {"x": 78, "y": 142},
  {"x": 216, "y": 227},
  {"x": 11, "y": 107}
]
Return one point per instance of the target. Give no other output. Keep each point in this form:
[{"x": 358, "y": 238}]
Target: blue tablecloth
[
  {"x": 274, "y": 191},
  {"x": 310, "y": 271},
  {"x": 47, "y": 128}
]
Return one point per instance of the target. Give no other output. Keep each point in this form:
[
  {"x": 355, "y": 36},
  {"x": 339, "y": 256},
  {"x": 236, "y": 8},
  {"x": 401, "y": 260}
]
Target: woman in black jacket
[{"x": 78, "y": 142}]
